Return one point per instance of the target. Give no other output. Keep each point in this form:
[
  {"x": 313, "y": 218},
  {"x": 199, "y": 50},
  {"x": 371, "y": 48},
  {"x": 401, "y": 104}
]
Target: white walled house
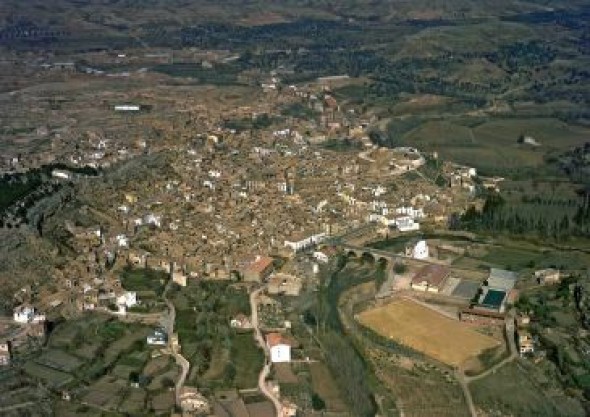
[
  {"x": 300, "y": 243},
  {"x": 406, "y": 224},
  {"x": 378, "y": 218},
  {"x": 280, "y": 349},
  {"x": 26, "y": 314},
  {"x": 321, "y": 257},
  {"x": 410, "y": 212},
  {"x": 127, "y": 299},
  {"x": 127, "y": 107},
  {"x": 420, "y": 251}
]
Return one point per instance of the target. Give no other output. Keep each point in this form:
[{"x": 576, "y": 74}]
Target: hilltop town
[
  {"x": 294, "y": 210},
  {"x": 245, "y": 194}
]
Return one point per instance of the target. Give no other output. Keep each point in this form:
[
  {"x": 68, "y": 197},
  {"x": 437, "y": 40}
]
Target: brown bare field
[{"x": 425, "y": 330}]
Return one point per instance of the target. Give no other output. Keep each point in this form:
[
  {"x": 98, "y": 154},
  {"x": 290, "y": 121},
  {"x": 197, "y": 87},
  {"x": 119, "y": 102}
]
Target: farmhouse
[
  {"x": 240, "y": 321},
  {"x": 259, "y": 269},
  {"x": 430, "y": 278},
  {"x": 280, "y": 349},
  {"x": 548, "y": 276},
  {"x": 284, "y": 284},
  {"x": 525, "y": 342},
  {"x": 27, "y": 314},
  {"x": 157, "y": 338},
  {"x": 192, "y": 401}
]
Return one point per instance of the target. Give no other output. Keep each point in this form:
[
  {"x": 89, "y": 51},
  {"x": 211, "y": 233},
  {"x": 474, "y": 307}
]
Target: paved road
[
  {"x": 267, "y": 364},
  {"x": 180, "y": 360}
]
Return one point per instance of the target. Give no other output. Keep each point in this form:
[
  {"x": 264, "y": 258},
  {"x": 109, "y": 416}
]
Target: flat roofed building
[
  {"x": 502, "y": 279},
  {"x": 430, "y": 278},
  {"x": 481, "y": 317},
  {"x": 493, "y": 300}
]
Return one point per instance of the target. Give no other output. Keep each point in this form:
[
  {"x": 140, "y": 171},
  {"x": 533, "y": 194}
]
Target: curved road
[
  {"x": 464, "y": 380},
  {"x": 180, "y": 360},
  {"x": 267, "y": 364}
]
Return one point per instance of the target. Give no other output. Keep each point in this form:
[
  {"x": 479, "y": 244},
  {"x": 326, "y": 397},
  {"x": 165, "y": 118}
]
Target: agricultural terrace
[
  {"x": 220, "y": 357},
  {"x": 424, "y": 330},
  {"x": 99, "y": 357}
]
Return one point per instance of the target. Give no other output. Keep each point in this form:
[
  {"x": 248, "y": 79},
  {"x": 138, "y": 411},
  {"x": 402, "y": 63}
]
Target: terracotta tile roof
[
  {"x": 260, "y": 264},
  {"x": 273, "y": 339}
]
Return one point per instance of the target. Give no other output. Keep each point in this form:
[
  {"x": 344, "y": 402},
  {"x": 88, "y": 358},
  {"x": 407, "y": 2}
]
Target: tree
[
  {"x": 167, "y": 382},
  {"x": 399, "y": 268},
  {"x": 134, "y": 377},
  {"x": 317, "y": 402}
]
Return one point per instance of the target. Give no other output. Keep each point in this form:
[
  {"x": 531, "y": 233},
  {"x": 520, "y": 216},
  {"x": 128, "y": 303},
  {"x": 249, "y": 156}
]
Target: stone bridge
[
  {"x": 381, "y": 256},
  {"x": 376, "y": 255}
]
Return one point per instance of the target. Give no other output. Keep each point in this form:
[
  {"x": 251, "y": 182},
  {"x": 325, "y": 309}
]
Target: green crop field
[
  {"x": 144, "y": 280},
  {"x": 511, "y": 390},
  {"x": 52, "y": 377}
]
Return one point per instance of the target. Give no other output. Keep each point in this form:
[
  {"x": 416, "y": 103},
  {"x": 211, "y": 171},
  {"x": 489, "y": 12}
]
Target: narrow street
[{"x": 267, "y": 364}]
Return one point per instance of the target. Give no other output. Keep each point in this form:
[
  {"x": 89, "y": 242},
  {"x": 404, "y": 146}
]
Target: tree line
[{"x": 496, "y": 216}]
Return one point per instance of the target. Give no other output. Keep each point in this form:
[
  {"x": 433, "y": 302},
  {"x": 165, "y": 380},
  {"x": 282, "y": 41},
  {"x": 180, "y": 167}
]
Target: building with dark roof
[
  {"x": 493, "y": 299},
  {"x": 431, "y": 278}
]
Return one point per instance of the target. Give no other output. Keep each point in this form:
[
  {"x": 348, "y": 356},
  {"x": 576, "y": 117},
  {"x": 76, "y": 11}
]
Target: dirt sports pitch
[{"x": 427, "y": 331}]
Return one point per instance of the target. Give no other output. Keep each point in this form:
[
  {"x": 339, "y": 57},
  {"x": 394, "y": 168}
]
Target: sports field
[{"x": 427, "y": 331}]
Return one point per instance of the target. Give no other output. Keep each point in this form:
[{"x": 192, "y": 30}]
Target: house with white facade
[
  {"x": 127, "y": 299},
  {"x": 406, "y": 224},
  {"x": 27, "y": 314},
  {"x": 414, "y": 213},
  {"x": 158, "y": 337},
  {"x": 420, "y": 250},
  {"x": 301, "y": 242},
  {"x": 321, "y": 257},
  {"x": 280, "y": 349}
]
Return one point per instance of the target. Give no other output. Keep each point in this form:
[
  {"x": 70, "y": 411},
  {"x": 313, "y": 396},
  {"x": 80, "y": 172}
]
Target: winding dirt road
[
  {"x": 264, "y": 389},
  {"x": 181, "y": 361}
]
